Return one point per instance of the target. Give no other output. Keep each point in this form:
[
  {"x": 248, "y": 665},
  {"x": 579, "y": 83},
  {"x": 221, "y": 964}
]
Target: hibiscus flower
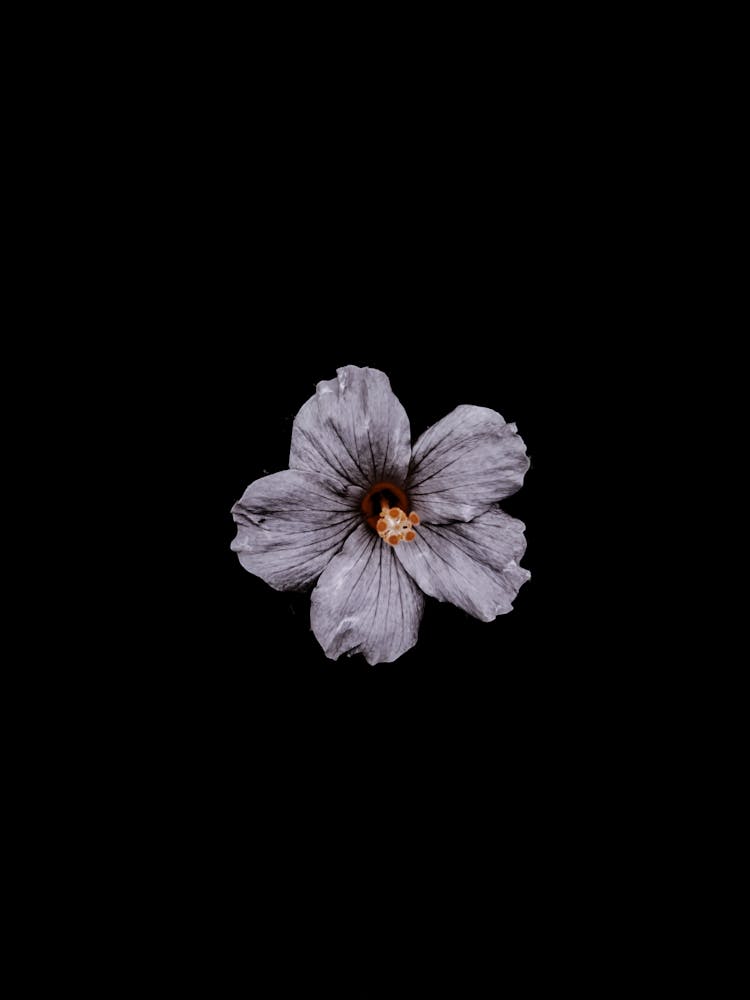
[{"x": 379, "y": 524}]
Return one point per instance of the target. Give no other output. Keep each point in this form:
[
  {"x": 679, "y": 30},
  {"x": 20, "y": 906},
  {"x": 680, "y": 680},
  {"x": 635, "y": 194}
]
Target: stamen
[{"x": 394, "y": 526}]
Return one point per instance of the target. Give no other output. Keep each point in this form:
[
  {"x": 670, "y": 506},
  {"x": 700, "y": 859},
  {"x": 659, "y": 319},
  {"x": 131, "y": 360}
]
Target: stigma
[{"x": 394, "y": 526}]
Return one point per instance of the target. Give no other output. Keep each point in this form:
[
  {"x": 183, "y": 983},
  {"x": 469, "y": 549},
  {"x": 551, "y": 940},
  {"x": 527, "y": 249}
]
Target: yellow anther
[{"x": 394, "y": 526}]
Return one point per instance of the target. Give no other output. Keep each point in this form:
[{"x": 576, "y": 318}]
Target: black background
[
  {"x": 485, "y": 740},
  {"x": 472, "y": 278},
  {"x": 471, "y": 228},
  {"x": 462, "y": 254}
]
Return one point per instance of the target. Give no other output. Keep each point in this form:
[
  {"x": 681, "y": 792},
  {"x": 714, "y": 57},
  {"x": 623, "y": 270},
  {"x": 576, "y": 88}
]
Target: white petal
[
  {"x": 365, "y": 602},
  {"x": 465, "y": 463},
  {"x": 353, "y": 428},
  {"x": 290, "y": 525},
  {"x": 474, "y": 566}
]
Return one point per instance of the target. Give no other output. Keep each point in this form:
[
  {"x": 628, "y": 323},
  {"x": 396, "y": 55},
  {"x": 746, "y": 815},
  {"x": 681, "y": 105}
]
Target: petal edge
[{"x": 464, "y": 464}]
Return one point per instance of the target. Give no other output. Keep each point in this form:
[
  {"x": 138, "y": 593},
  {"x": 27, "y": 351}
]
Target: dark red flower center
[{"x": 384, "y": 507}]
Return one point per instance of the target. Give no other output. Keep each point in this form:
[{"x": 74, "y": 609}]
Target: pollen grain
[{"x": 394, "y": 526}]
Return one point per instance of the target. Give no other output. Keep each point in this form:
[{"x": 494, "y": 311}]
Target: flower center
[
  {"x": 394, "y": 526},
  {"x": 383, "y": 507}
]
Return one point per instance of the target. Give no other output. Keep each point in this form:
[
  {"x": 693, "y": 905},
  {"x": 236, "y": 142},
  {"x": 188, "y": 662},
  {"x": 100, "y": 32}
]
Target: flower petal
[
  {"x": 474, "y": 566},
  {"x": 290, "y": 525},
  {"x": 365, "y": 602},
  {"x": 354, "y": 429},
  {"x": 465, "y": 463}
]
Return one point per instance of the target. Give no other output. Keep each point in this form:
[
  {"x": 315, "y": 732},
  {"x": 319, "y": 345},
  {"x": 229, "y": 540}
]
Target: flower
[{"x": 379, "y": 524}]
